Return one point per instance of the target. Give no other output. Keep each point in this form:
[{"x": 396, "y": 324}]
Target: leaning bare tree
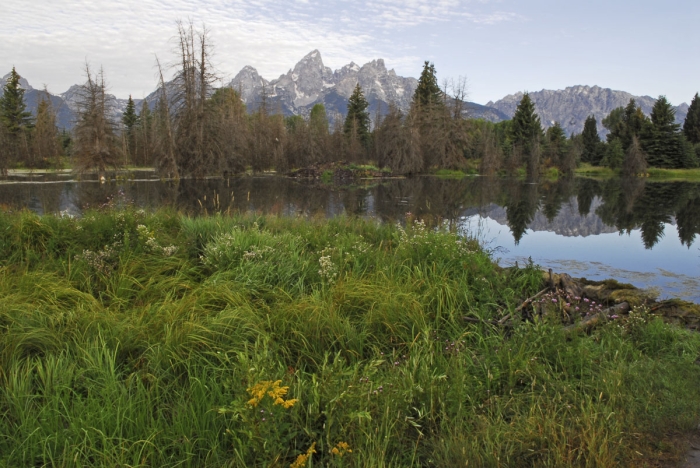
[
  {"x": 97, "y": 146},
  {"x": 198, "y": 150}
]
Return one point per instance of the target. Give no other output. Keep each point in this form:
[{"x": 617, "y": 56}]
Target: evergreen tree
[
  {"x": 626, "y": 124},
  {"x": 614, "y": 155},
  {"x": 691, "y": 126},
  {"x": 13, "y": 113},
  {"x": 613, "y": 119},
  {"x": 663, "y": 142},
  {"x": 130, "y": 121},
  {"x": 129, "y": 117},
  {"x": 428, "y": 91},
  {"x": 591, "y": 142},
  {"x": 318, "y": 120},
  {"x": 357, "y": 120},
  {"x": 526, "y": 133},
  {"x": 16, "y": 123},
  {"x": 556, "y": 144}
]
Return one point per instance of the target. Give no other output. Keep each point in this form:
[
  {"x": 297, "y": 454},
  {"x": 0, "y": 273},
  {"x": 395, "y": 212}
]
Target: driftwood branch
[{"x": 591, "y": 321}]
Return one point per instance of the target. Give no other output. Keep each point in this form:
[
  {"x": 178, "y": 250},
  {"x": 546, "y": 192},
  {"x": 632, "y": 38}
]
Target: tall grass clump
[{"x": 130, "y": 338}]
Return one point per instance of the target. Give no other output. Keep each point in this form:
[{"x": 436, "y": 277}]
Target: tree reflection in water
[{"x": 626, "y": 204}]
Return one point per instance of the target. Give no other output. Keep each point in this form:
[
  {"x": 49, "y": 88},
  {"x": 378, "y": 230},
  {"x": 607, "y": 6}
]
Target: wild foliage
[{"x": 131, "y": 338}]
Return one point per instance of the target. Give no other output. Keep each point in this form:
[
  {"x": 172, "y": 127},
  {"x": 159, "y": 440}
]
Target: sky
[{"x": 645, "y": 47}]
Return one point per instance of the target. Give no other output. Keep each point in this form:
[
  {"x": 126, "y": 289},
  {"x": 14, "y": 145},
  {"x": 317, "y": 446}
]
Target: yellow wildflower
[
  {"x": 341, "y": 449},
  {"x": 304, "y": 457},
  {"x": 257, "y": 392},
  {"x": 276, "y": 391},
  {"x": 289, "y": 403},
  {"x": 273, "y": 390}
]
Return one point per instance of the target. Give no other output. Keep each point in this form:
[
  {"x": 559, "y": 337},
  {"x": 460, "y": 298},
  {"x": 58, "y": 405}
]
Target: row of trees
[
  {"x": 32, "y": 141},
  {"x": 636, "y": 141},
  {"x": 196, "y": 129}
]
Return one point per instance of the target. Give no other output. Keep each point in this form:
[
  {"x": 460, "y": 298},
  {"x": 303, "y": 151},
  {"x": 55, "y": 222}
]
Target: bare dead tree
[
  {"x": 491, "y": 155},
  {"x": 635, "y": 162},
  {"x": 227, "y": 124},
  {"x": 457, "y": 92},
  {"x": 45, "y": 145},
  {"x": 196, "y": 152},
  {"x": 96, "y": 143},
  {"x": 166, "y": 160},
  {"x": 398, "y": 144}
]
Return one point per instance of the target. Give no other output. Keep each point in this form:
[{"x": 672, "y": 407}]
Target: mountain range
[
  {"x": 571, "y": 106},
  {"x": 65, "y": 104},
  {"x": 310, "y": 82}
]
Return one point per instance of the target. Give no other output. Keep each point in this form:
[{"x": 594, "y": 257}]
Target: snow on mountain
[{"x": 310, "y": 82}]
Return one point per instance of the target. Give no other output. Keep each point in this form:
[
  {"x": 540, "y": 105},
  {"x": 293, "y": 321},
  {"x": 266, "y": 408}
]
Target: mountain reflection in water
[{"x": 661, "y": 218}]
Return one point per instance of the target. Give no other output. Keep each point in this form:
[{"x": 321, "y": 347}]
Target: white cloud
[{"x": 50, "y": 40}]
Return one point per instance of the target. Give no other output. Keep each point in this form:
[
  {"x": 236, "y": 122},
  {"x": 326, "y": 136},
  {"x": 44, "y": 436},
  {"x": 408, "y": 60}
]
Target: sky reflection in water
[
  {"x": 570, "y": 226},
  {"x": 671, "y": 269}
]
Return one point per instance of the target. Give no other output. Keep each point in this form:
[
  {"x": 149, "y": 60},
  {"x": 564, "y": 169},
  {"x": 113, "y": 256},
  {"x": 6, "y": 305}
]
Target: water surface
[{"x": 636, "y": 231}]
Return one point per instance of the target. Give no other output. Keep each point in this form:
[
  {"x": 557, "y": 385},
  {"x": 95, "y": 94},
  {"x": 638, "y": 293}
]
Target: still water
[{"x": 636, "y": 231}]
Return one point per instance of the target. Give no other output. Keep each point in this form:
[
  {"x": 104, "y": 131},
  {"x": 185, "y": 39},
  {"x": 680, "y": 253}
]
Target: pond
[{"x": 637, "y": 231}]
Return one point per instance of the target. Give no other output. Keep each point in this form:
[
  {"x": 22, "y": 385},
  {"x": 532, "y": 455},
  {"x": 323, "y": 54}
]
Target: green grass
[
  {"x": 450, "y": 174},
  {"x": 596, "y": 171},
  {"x": 552, "y": 173},
  {"x": 675, "y": 174},
  {"x": 132, "y": 339},
  {"x": 653, "y": 172}
]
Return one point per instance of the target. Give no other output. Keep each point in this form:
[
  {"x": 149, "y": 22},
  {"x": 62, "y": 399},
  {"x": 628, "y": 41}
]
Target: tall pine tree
[
  {"x": 592, "y": 152},
  {"x": 13, "y": 111},
  {"x": 663, "y": 142},
  {"x": 130, "y": 121},
  {"x": 691, "y": 126},
  {"x": 357, "y": 121},
  {"x": 526, "y": 133},
  {"x": 428, "y": 93},
  {"x": 16, "y": 123},
  {"x": 557, "y": 144}
]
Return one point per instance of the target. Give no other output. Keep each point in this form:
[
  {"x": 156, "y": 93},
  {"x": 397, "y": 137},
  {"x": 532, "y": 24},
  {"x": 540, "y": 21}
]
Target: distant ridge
[
  {"x": 571, "y": 106},
  {"x": 65, "y": 104},
  {"x": 310, "y": 82}
]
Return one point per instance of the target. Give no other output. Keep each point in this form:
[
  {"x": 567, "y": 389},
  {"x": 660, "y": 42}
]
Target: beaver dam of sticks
[{"x": 133, "y": 338}]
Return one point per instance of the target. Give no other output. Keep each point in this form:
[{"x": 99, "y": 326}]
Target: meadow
[{"x": 154, "y": 339}]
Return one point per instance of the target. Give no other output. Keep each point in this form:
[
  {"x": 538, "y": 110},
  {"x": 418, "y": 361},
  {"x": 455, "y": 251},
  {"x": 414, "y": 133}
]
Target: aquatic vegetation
[{"x": 262, "y": 340}]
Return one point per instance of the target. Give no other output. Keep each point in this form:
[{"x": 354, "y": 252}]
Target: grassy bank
[
  {"x": 674, "y": 174},
  {"x": 137, "y": 339},
  {"x": 595, "y": 171}
]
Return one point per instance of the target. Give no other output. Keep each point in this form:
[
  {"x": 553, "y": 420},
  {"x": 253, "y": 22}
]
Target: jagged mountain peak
[
  {"x": 310, "y": 82},
  {"x": 313, "y": 57}
]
